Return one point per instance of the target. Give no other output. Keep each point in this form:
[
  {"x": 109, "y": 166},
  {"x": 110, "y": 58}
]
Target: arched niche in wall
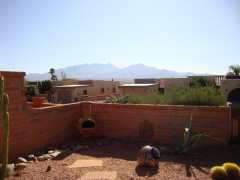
[{"x": 234, "y": 95}]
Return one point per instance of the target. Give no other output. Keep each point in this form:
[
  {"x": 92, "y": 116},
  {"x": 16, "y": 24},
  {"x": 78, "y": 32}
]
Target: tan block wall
[
  {"x": 228, "y": 85},
  {"x": 108, "y": 87},
  {"x": 138, "y": 90},
  {"x": 170, "y": 81}
]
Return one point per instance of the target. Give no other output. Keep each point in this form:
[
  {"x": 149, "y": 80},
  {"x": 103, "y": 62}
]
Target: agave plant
[{"x": 189, "y": 143}]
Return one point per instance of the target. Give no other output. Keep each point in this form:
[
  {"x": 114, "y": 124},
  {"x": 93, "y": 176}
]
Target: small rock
[
  {"x": 49, "y": 168},
  {"x": 30, "y": 161},
  {"x": 46, "y": 156},
  {"x": 55, "y": 154},
  {"x": 78, "y": 148},
  {"x": 50, "y": 152},
  {"x": 21, "y": 165},
  {"x": 21, "y": 160},
  {"x": 35, "y": 159},
  {"x": 10, "y": 168},
  {"x": 30, "y": 157},
  {"x": 40, "y": 158},
  {"x": 86, "y": 146}
]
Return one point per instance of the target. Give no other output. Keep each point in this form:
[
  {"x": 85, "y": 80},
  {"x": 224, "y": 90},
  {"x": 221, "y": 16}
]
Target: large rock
[
  {"x": 10, "y": 168},
  {"x": 30, "y": 157},
  {"x": 21, "y": 160}
]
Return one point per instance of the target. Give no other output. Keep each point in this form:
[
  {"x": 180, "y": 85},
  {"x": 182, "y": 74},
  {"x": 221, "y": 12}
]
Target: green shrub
[
  {"x": 44, "y": 86},
  {"x": 196, "y": 81},
  {"x": 177, "y": 95},
  {"x": 30, "y": 91}
]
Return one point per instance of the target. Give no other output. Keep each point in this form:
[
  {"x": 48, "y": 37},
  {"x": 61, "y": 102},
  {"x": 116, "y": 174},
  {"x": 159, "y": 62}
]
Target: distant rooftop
[
  {"x": 136, "y": 85},
  {"x": 72, "y": 86}
]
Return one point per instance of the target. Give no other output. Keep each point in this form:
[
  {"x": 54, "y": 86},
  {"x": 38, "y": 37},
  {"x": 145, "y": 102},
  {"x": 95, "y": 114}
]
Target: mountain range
[{"x": 108, "y": 71}]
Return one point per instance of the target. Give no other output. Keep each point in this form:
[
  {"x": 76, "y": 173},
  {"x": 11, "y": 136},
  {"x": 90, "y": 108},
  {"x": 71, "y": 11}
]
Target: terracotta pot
[{"x": 38, "y": 100}]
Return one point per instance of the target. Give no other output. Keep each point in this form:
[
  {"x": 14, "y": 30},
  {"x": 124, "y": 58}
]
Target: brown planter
[{"x": 38, "y": 100}]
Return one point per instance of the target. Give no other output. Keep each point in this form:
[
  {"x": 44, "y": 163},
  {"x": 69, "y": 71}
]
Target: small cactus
[
  {"x": 218, "y": 172},
  {"x": 233, "y": 170}
]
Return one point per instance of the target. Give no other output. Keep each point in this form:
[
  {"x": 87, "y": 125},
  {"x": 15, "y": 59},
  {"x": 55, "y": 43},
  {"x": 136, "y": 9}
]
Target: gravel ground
[{"x": 122, "y": 158}]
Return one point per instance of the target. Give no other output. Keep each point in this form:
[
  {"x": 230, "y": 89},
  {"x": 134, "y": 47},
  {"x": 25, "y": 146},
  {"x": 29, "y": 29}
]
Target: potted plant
[{"x": 38, "y": 100}]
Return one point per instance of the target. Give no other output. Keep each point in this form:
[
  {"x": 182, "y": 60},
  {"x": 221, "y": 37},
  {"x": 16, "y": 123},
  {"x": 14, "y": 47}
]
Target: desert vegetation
[{"x": 177, "y": 95}]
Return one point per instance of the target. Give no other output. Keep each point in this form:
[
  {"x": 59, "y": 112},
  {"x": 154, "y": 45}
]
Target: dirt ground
[{"x": 121, "y": 157}]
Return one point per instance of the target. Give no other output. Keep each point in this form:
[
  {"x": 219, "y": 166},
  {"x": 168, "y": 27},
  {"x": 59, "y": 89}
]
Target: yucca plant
[
  {"x": 189, "y": 143},
  {"x": 218, "y": 172},
  {"x": 232, "y": 169}
]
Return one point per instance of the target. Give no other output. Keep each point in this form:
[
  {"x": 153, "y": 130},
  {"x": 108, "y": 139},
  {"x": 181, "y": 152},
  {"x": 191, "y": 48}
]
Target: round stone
[
  {"x": 46, "y": 156},
  {"x": 40, "y": 158},
  {"x": 21, "y": 160},
  {"x": 50, "y": 152},
  {"x": 30, "y": 157}
]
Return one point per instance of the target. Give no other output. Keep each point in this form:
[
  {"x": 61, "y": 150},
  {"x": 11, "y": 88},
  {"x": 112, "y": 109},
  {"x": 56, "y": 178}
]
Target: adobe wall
[
  {"x": 228, "y": 85},
  {"x": 34, "y": 128},
  {"x": 118, "y": 120}
]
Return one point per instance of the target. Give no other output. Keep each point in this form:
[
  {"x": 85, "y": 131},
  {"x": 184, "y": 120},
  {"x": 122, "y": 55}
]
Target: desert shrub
[
  {"x": 177, "y": 95},
  {"x": 196, "y": 95},
  {"x": 199, "y": 81},
  {"x": 114, "y": 99},
  {"x": 30, "y": 91}
]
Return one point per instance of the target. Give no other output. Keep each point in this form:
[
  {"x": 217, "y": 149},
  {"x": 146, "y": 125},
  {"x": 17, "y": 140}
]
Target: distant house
[
  {"x": 87, "y": 90},
  {"x": 142, "y": 86},
  {"x": 230, "y": 85},
  {"x": 31, "y": 83}
]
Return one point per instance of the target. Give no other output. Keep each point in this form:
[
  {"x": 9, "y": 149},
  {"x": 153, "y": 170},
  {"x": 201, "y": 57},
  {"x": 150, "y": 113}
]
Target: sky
[{"x": 200, "y": 36}]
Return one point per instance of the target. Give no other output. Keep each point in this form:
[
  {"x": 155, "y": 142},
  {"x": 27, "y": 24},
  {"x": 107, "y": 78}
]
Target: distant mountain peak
[{"x": 108, "y": 71}]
